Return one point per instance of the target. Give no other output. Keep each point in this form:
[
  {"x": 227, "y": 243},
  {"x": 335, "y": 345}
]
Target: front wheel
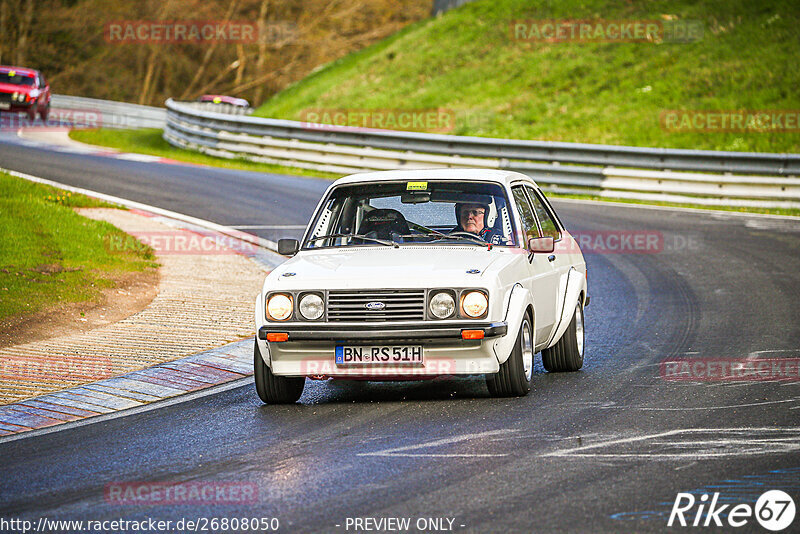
[
  {"x": 44, "y": 113},
  {"x": 567, "y": 354},
  {"x": 514, "y": 377},
  {"x": 275, "y": 389}
]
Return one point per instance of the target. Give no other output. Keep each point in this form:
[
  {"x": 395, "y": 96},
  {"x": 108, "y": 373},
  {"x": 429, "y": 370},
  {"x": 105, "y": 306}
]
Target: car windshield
[
  {"x": 16, "y": 79},
  {"x": 419, "y": 212}
]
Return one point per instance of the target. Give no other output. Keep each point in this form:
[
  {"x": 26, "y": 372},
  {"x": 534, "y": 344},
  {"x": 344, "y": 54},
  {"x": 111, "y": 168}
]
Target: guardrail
[
  {"x": 112, "y": 114},
  {"x": 674, "y": 175}
]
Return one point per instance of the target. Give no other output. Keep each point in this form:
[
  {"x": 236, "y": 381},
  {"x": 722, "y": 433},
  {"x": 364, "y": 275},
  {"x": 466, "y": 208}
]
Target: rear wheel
[
  {"x": 514, "y": 377},
  {"x": 275, "y": 389},
  {"x": 567, "y": 354}
]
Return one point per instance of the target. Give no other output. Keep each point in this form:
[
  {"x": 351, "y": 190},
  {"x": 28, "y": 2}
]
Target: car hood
[{"x": 386, "y": 267}]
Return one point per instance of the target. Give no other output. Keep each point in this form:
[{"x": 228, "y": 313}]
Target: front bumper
[
  {"x": 6, "y": 104},
  {"x": 310, "y": 349},
  {"x": 381, "y": 331}
]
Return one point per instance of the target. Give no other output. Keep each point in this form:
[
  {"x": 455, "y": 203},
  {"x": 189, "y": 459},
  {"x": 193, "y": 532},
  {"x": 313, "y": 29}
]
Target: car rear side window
[
  {"x": 549, "y": 226},
  {"x": 525, "y": 213}
]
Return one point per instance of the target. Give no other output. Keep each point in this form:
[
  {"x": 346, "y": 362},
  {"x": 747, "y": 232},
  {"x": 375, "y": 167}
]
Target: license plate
[
  {"x": 5, "y": 105},
  {"x": 378, "y": 354}
]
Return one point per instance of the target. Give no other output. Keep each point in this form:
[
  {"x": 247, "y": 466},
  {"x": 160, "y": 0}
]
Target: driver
[{"x": 472, "y": 219}]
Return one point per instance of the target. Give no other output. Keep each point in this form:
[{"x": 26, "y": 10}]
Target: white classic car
[{"x": 417, "y": 274}]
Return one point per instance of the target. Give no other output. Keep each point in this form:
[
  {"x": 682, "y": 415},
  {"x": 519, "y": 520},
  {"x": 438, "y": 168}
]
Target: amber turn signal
[
  {"x": 472, "y": 334},
  {"x": 275, "y": 337}
]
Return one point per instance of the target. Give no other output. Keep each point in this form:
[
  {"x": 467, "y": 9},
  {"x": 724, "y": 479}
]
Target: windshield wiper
[
  {"x": 357, "y": 236},
  {"x": 435, "y": 235}
]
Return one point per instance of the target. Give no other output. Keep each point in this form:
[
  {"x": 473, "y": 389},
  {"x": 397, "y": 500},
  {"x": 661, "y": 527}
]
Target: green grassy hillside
[{"x": 467, "y": 61}]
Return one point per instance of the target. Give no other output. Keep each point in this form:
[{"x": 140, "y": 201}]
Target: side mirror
[
  {"x": 289, "y": 247},
  {"x": 541, "y": 245}
]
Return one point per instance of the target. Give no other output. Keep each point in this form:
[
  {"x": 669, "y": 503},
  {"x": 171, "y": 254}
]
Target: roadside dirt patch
[{"x": 132, "y": 292}]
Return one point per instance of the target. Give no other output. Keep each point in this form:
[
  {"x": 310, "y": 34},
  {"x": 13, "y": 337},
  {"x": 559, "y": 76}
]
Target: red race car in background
[{"x": 24, "y": 90}]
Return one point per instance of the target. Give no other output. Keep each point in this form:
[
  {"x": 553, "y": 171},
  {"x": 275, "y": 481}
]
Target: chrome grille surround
[{"x": 399, "y": 305}]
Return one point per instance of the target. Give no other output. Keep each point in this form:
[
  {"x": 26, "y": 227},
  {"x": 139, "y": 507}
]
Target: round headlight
[
  {"x": 311, "y": 307},
  {"x": 279, "y": 307},
  {"x": 474, "y": 304},
  {"x": 442, "y": 305}
]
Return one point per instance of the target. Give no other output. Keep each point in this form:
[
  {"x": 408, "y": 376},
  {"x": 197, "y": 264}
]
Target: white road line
[
  {"x": 399, "y": 451},
  {"x": 139, "y": 157},
  {"x": 683, "y": 409},
  {"x": 786, "y": 444}
]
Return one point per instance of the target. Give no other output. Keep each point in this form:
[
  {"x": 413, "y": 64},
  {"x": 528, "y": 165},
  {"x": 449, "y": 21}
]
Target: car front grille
[
  {"x": 5, "y": 97},
  {"x": 398, "y": 305}
]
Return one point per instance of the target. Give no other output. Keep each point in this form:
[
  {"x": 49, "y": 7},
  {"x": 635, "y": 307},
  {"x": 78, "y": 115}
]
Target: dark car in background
[{"x": 24, "y": 90}]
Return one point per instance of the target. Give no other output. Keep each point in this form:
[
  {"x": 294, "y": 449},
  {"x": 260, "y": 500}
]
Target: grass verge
[
  {"x": 149, "y": 141},
  {"x": 50, "y": 255}
]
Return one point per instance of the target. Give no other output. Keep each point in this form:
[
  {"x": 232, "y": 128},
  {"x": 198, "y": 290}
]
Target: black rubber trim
[{"x": 328, "y": 332}]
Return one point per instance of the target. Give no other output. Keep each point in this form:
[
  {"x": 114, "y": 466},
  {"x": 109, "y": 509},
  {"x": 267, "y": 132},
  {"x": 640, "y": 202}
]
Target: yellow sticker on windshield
[
  {"x": 416, "y": 186},
  {"x": 12, "y": 73},
  {"x": 217, "y": 100}
]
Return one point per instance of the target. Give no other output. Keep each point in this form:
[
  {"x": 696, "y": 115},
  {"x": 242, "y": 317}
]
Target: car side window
[
  {"x": 525, "y": 213},
  {"x": 549, "y": 226}
]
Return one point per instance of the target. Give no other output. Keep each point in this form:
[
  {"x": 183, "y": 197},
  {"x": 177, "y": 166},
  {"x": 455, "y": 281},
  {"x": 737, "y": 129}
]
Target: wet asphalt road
[{"x": 605, "y": 449}]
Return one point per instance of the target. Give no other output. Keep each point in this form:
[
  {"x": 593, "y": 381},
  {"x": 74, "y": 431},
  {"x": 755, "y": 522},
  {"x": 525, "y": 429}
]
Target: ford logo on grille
[{"x": 374, "y": 306}]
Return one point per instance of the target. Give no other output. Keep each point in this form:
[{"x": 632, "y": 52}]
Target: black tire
[
  {"x": 514, "y": 377},
  {"x": 275, "y": 389},
  {"x": 44, "y": 113},
  {"x": 567, "y": 354},
  {"x": 31, "y": 113}
]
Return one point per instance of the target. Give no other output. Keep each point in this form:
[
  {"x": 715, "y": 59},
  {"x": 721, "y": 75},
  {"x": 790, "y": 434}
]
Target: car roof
[
  {"x": 19, "y": 70},
  {"x": 495, "y": 175}
]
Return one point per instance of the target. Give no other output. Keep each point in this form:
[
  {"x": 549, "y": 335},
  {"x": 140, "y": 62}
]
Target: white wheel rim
[
  {"x": 579, "y": 328},
  {"x": 527, "y": 350}
]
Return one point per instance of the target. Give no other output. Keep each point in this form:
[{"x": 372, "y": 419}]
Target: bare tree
[
  {"x": 262, "y": 49},
  {"x": 153, "y": 61},
  {"x": 3, "y": 24},
  {"x": 240, "y": 63},
  {"x": 24, "y": 29},
  {"x": 209, "y": 53}
]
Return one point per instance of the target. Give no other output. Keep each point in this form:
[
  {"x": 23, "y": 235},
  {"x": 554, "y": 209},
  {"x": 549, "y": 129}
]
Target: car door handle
[{"x": 551, "y": 257}]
